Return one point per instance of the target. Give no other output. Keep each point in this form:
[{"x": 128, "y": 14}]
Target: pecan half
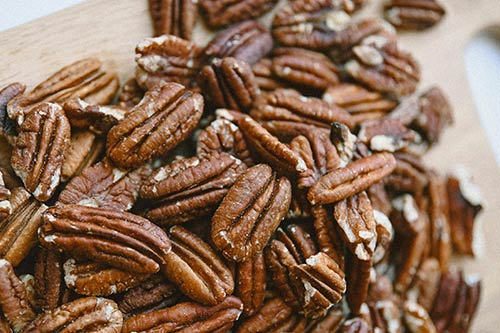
[
  {"x": 250, "y": 212},
  {"x": 447, "y": 297},
  {"x": 264, "y": 77},
  {"x": 466, "y": 304},
  {"x": 355, "y": 325},
  {"x": 94, "y": 279},
  {"x": 83, "y": 79},
  {"x": 119, "y": 239},
  {"x": 91, "y": 314},
  {"x": 248, "y": 41},
  {"x": 223, "y": 12},
  {"x": 5, "y": 205},
  {"x": 354, "y": 178},
  {"x": 196, "y": 269},
  {"x": 330, "y": 323},
  {"x": 13, "y": 298},
  {"x": 425, "y": 285},
  {"x": 50, "y": 289},
  {"x": 413, "y": 14},
  {"x": 229, "y": 83},
  {"x": 4, "y": 326},
  {"x": 173, "y": 17},
  {"x": 224, "y": 136},
  {"x": 386, "y": 316},
  {"x": 410, "y": 175},
  {"x": 166, "y": 116},
  {"x": 327, "y": 234},
  {"x": 188, "y": 317},
  {"x": 250, "y": 278},
  {"x": 166, "y": 59},
  {"x": 385, "y": 135},
  {"x": 417, "y": 319},
  {"x": 297, "y": 241},
  {"x": 358, "y": 280},
  {"x": 190, "y": 187},
  {"x": 103, "y": 185},
  {"x": 130, "y": 95},
  {"x": 38, "y": 155},
  {"x": 18, "y": 233},
  {"x": 8, "y": 127}
]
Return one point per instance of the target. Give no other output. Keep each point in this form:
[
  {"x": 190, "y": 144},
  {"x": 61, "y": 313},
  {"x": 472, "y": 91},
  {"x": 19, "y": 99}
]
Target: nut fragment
[
  {"x": 413, "y": 14},
  {"x": 173, "y": 17},
  {"x": 223, "y": 12},
  {"x": 5, "y": 205}
]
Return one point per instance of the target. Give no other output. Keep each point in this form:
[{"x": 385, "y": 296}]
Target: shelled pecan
[
  {"x": 8, "y": 127},
  {"x": 84, "y": 150},
  {"x": 5, "y": 205},
  {"x": 223, "y": 12},
  {"x": 413, "y": 14},
  {"x": 250, "y": 280},
  {"x": 50, "y": 288},
  {"x": 173, "y": 17},
  {"x": 130, "y": 95},
  {"x": 264, "y": 77}
]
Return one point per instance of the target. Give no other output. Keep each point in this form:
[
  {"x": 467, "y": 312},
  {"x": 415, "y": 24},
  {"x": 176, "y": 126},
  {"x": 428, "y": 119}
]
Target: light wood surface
[{"x": 110, "y": 30}]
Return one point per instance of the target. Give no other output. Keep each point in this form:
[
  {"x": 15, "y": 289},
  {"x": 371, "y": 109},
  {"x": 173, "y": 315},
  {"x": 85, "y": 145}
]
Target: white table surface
[{"x": 482, "y": 59}]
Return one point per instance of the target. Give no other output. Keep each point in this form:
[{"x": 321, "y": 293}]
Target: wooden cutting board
[{"x": 110, "y": 30}]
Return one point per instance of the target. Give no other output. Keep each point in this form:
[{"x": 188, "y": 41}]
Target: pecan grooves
[{"x": 173, "y": 17}]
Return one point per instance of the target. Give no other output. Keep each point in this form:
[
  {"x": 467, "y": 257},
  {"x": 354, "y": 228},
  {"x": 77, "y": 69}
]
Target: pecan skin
[
  {"x": 38, "y": 155},
  {"x": 166, "y": 116},
  {"x": 250, "y": 278},
  {"x": 413, "y": 14},
  {"x": 223, "y": 12},
  {"x": 252, "y": 209},
  {"x": 354, "y": 178},
  {"x": 173, "y": 17}
]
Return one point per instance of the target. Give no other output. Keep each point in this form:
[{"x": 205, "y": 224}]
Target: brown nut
[
  {"x": 264, "y": 76},
  {"x": 91, "y": 314},
  {"x": 173, "y": 17},
  {"x": 354, "y": 178},
  {"x": 5, "y": 205},
  {"x": 248, "y": 41},
  {"x": 413, "y": 14},
  {"x": 103, "y": 185},
  {"x": 83, "y": 151},
  {"x": 224, "y": 12},
  {"x": 166, "y": 59},
  {"x": 355, "y": 325},
  {"x": 297, "y": 241},
  {"x": 8, "y": 128},
  {"x": 166, "y": 116},
  {"x": 385, "y": 135},
  {"x": 251, "y": 211},
  {"x": 327, "y": 234},
  {"x": 386, "y": 316},
  {"x": 425, "y": 285},
  {"x": 13, "y": 298},
  {"x": 330, "y": 323},
  {"x": 50, "y": 289},
  {"x": 417, "y": 319},
  {"x": 196, "y": 269},
  {"x": 38, "y": 155},
  {"x": 119, "y": 239},
  {"x": 250, "y": 280},
  {"x": 130, "y": 95},
  {"x": 358, "y": 280},
  {"x": 189, "y": 188},
  {"x": 187, "y": 317},
  {"x": 409, "y": 176},
  {"x": 4, "y": 326}
]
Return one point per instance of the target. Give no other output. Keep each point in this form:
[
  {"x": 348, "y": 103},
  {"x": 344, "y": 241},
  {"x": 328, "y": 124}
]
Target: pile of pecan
[{"x": 270, "y": 181}]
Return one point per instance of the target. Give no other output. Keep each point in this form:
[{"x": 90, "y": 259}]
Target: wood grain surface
[{"x": 110, "y": 30}]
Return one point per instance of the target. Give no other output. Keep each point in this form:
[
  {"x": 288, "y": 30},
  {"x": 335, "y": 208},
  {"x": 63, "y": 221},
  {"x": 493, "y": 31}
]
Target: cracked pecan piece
[
  {"x": 224, "y": 12},
  {"x": 103, "y": 185},
  {"x": 196, "y": 269},
  {"x": 119, "y": 239},
  {"x": 274, "y": 316},
  {"x": 8, "y": 127},
  {"x": 250, "y": 280},
  {"x": 293, "y": 65},
  {"x": 94, "y": 279},
  {"x": 166, "y": 59},
  {"x": 413, "y": 14},
  {"x": 130, "y": 94},
  {"x": 173, "y": 17},
  {"x": 18, "y": 233},
  {"x": 189, "y": 188},
  {"x": 91, "y": 314},
  {"x": 224, "y": 136},
  {"x": 247, "y": 41},
  {"x": 229, "y": 83},
  {"x": 38, "y": 155},
  {"x": 166, "y": 116},
  {"x": 250, "y": 212},
  {"x": 354, "y": 178},
  {"x": 13, "y": 299},
  {"x": 84, "y": 79},
  {"x": 188, "y": 317}
]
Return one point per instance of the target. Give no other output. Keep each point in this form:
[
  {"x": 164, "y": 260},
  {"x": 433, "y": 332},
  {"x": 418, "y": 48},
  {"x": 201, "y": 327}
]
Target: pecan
[
  {"x": 119, "y": 239},
  {"x": 173, "y": 17},
  {"x": 250, "y": 212},
  {"x": 166, "y": 59},
  {"x": 318, "y": 153},
  {"x": 130, "y": 95},
  {"x": 330, "y": 323},
  {"x": 18, "y": 232},
  {"x": 187, "y": 317},
  {"x": 224, "y": 136},
  {"x": 229, "y": 83},
  {"x": 38, "y": 155},
  {"x": 466, "y": 304},
  {"x": 196, "y": 269},
  {"x": 379, "y": 198},
  {"x": 385, "y": 135},
  {"x": 410, "y": 175},
  {"x": 417, "y": 319},
  {"x": 103, "y": 185},
  {"x": 91, "y": 314},
  {"x": 413, "y": 14},
  {"x": 345, "y": 142},
  {"x": 380, "y": 289},
  {"x": 426, "y": 283},
  {"x": 5, "y": 206},
  {"x": 4, "y": 326},
  {"x": 13, "y": 298},
  {"x": 166, "y": 116},
  {"x": 274, "y": 316},
  {"x": 84, "y": 150},
  {"x": 28, "y": 281},
  {"x": 224, "y": 12},
  {"x": 248, "y": 41},
  {"x": 288, "y": 106},
  {"x": 250, "y": 278},
  {"x": 83, "y": 79},
  {"x": 297, "y": 241},
  {"x": 354, "y": 178},
  {"x": 386, "y": 317},
  {"x": 150, "y": 294},
  {"x": 50, "y": 289},
  {"x": 264, "y": 75},
  {"x": 293, "y": 65},
  {"x": 465, "y": 203},
  {"x": 319, "y": 283},
  {"x": 355, "y": 325},
  {"x": 190, "y": 187},
  {"x": 358, "y": 280},
  {"x": 8, "y": 127},
  {"x": 327, "y": 234},
  {"x": 447, "y": 297},
  {"x": 385, "y": 234},
  {"x": 94, "y": 279},
  {"x": 384, "y": 68}
]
